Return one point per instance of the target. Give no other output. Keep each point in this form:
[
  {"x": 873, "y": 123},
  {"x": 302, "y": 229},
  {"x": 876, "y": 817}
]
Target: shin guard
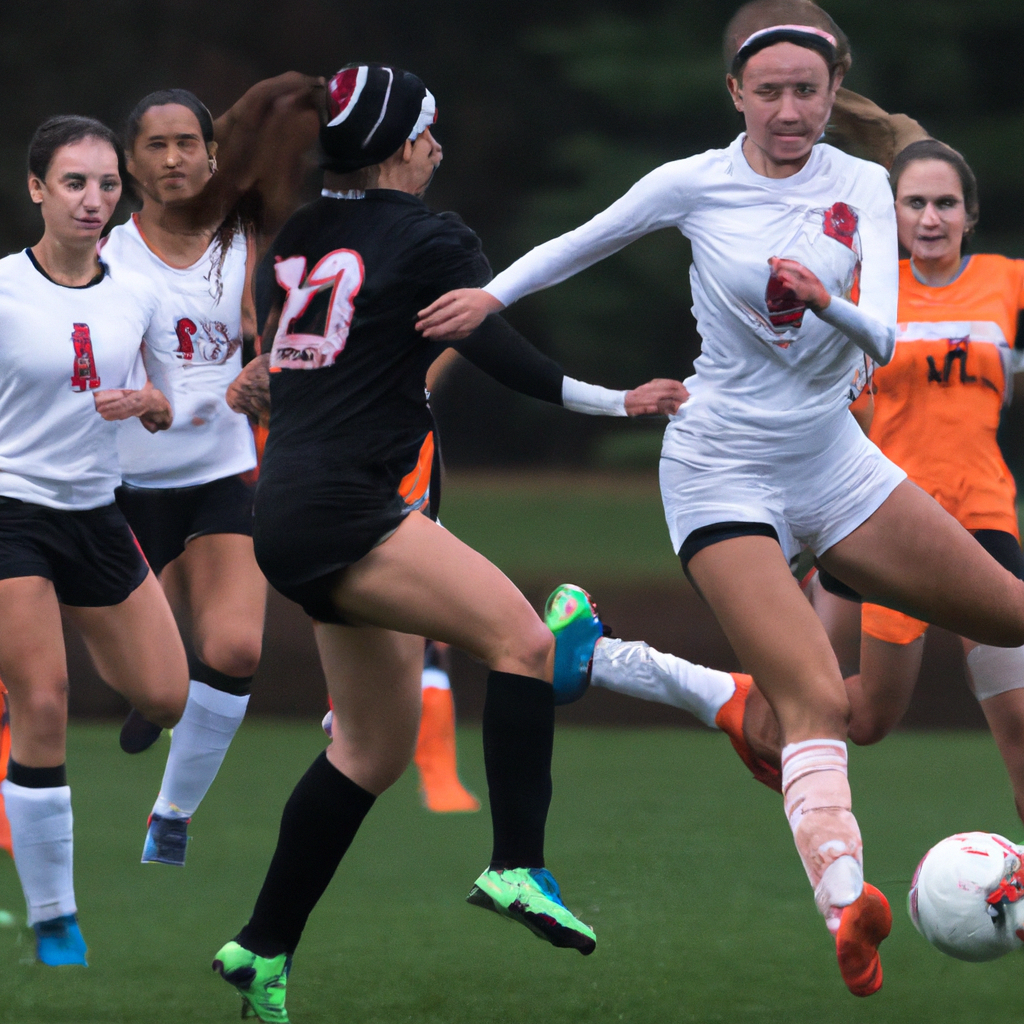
[{"x": 818, "y": 805}]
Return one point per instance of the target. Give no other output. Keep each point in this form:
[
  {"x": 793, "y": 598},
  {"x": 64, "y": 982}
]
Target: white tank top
[
  {"x": 58, "y": 346},
  {"x": 193, "y": 352}
]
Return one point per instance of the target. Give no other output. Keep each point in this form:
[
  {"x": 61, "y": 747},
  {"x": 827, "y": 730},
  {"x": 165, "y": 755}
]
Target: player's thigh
[
  {"x": 775, "y": 633},
  {"x": 841, "y": 619},
  {"x": 227, "y": 594},
  {"x": 373, "y": 678},
  {"x": 137, "y": 650},
  {"x": 888, "y": 675},
  {"x": 912, "y": 555},
  {"x": 425, "y": 581},
  {"x": 34, "y": 669}
]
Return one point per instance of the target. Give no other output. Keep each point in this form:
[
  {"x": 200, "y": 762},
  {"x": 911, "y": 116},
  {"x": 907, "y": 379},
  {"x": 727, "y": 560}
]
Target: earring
[{"x": 213, "y": 164}]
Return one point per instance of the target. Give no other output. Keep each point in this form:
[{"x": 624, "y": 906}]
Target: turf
[{"x": 682, "y": 864}]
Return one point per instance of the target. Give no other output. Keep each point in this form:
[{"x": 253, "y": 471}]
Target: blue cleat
[
  {"x": 59, "y": 942},
  {"x": 570, "y": 614},
  {"x": 166, "y": 841}
]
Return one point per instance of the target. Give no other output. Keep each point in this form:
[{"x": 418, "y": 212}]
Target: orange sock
[
  {"x": 435, "y": 756},
  {"x": 730, "y": 720}
]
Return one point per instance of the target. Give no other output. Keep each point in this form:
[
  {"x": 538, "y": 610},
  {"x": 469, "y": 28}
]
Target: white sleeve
[
  {"x": 871, "y": 324},
  {"x": 592, "y": 399},
  {"x": 661, "y": 199}
]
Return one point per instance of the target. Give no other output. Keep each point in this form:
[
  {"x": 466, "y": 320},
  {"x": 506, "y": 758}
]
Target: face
[
  {"x": 930, "y": 213},
  {"x": 81, "y": 189},
  {"x": 786, "y": 98},
  {"x": 169, "y": 158},
  {"x": 424, "y": 158}
]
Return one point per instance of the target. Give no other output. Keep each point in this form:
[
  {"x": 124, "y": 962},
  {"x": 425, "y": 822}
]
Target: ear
[
  {"x": 735, "y": 87},
  {"x": 211, "y": 150},
  {"x": 837, "y": 81},
  {"x": 407, "y": 150},
  {"x": 36, "y": 188}
]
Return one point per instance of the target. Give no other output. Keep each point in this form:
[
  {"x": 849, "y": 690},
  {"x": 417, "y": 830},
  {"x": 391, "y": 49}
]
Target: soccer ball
[{"x": 967, "y": 896}]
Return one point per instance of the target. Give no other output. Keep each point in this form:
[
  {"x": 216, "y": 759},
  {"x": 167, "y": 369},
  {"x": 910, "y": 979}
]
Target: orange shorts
[{"x": 888, "y": 625}]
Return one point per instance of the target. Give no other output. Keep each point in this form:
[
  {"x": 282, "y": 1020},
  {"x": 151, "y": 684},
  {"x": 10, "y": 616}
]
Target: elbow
[{"x": 887, "y": 346}]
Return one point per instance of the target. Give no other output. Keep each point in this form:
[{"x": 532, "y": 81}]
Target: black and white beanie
[{"x": 371, "y": 110}]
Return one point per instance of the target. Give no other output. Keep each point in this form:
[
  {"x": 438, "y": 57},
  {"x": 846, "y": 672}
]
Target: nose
[
  {"x": 930, "y": 215},
  {"x": 787, "y": 108},
  {"x": 92, "y": 195}
]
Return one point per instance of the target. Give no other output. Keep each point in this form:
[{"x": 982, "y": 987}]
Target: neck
[
  {"x": 71, "y": 265},
  {"x": 174, "y": 232},
  {"x": 761, "y": 163},
  {"x": 937, "y": 272}
]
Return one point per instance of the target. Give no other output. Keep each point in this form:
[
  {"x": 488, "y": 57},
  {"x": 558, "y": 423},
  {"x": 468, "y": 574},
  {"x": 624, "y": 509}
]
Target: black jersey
[{"x": 349, "y": 417}]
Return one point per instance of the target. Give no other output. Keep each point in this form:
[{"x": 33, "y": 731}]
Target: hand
[
  {"x": 149, "y": 404},
  {"x": 799, "y": 280},
  {"x": 249, "y": 392},
  {"x": 456, "y": 314},
  {"x": 656, "y": 396}
]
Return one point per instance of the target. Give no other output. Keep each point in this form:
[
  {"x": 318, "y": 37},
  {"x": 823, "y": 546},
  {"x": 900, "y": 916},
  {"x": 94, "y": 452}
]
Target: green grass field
[{"x": 683, "y": 865}]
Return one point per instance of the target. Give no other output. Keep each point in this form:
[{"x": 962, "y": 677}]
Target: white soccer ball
[{"x": 967, "y": 896}]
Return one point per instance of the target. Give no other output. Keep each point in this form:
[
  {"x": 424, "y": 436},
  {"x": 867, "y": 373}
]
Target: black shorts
[
  {"x": 716, "y": 532},
  {"x": 90, "y": 556},
  {"x": 165, "y": 519}
]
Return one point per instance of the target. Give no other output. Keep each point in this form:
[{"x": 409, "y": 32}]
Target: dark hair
[
  {"x": 66, "y": 130},
  {"x": 761, "y": 14},
  {"x": 932, "y": 149},
  {"x": 161, "y": 98}
]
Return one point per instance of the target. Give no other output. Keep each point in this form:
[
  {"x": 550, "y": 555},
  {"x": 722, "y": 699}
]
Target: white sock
[
  {"x": 633, "y": 668},
  {"x": 41, "y": 827},
  {"x": 198, "y": 745},
  {"x": 436, "y": 678}
]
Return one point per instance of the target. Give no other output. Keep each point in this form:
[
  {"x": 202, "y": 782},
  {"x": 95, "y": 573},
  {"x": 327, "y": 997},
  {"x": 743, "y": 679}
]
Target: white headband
[
  {"x": 821, "y": 33},
  {"x": 428, "y": 115}
]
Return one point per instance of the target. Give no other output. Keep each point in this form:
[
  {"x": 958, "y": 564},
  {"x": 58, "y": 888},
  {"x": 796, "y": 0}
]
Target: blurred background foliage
[{"x": 548, "y": 112}]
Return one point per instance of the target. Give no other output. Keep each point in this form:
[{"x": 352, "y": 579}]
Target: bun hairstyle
[
  {"x": 162, "y": 98},
  {"x": 932, "y": 149},
  {"x": 775, "y": 21},
  {"x": 66, "y": 130}
]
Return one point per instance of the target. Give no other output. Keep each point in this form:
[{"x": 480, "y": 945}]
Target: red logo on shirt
[
  {"x": 185, "y": 329},
  {"x": 84, "y": 376}
]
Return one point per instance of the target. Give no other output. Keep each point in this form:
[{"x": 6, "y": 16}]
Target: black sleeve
[{"x": 498, "y": 349}]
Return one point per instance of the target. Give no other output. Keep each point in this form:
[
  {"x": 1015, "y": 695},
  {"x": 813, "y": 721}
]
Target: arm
[
  {"x": 504, "y": 354},
  {"x": 656, "y": 201},
  {"x": 149, "y": 404},
  {"x": 870, "y": 323}
]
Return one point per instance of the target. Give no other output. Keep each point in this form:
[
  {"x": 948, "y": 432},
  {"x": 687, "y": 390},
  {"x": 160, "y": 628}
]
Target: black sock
[
  {"x": 319, "y": 823},
  {"x": 519, "y": 732},
  {"x": 36, "y": 778},
  {"x": 198, "y": 670}
]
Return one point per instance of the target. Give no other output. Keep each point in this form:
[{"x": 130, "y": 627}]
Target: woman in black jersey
[{"x": 340, "y": 525}]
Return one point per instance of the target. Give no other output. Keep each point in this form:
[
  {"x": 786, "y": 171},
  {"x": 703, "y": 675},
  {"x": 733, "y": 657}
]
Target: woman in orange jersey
[{"x": 937, "y": 406}]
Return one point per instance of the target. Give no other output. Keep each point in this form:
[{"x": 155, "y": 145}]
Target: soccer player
[
  {"x": 70, "y": 332},
  {"x": 207, "y": 189},
  {"x": 340, "y": 528},
  {"x": 795, "y": 290}
]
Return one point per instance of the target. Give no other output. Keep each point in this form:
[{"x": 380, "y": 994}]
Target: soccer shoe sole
[
  {"x": 138, "y": 733},
  {"x": 863, "y": 926},
  {"x": 542, "y": 925}
]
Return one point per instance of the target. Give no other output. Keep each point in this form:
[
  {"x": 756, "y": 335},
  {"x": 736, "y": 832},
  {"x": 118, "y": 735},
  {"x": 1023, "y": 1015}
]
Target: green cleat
[
  {"x": 260, "y": 981},
  {"x": 531, "y": 896},
  {"x": 570, "y": 614}
]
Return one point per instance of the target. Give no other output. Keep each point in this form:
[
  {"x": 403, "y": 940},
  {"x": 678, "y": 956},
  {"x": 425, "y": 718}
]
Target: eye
[{"x": 109, "y": 186}]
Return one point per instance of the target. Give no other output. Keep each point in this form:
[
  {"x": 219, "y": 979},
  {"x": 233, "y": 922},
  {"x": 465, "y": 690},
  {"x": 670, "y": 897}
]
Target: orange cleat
[
  {"x": 435, "y": 756},
  {"x": 863, "y": 926},
  {"x": 730, "y": 720}
]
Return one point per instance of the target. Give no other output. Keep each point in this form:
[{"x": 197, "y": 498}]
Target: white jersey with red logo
[
  {"x": 58, "y": 346},
  {"x": 766, "y": 360},
  {"x": 193, "y": 352}
]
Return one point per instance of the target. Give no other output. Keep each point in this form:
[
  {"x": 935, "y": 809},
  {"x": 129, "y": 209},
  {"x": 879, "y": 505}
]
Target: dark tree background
[{"x": 547, "y": 113}]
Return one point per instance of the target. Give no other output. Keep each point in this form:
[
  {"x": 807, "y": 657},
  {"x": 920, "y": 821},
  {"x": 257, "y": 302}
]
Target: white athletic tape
[{"x": 995, "y": 670}]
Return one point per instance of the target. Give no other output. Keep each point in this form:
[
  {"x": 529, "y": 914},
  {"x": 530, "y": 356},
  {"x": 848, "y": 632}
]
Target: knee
[
  {"x": 374, "y": 767},
  {"x": 41, "y": 715},
  {"x": 864, "y": 730},
  {"x": 532, "y": 653},
  {"x": 164, "y": 705},
  {"x": 233, "y": 654}
]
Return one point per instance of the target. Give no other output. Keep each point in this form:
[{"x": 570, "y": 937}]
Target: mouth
[{"x": 89, "y": 223}]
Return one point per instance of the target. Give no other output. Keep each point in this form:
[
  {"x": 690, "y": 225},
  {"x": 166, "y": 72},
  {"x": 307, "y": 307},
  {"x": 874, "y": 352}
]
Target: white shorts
[{"x": 814, "y": 485}]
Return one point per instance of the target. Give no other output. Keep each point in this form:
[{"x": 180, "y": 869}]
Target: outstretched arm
[{"x": 863, "y": 129}]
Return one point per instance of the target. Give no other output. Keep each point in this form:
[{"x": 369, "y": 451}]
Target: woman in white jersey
[
  {"x": 70, "y": 332},
  {"x": 184, "y": 492},
  {"x": 794, "y": 283}
]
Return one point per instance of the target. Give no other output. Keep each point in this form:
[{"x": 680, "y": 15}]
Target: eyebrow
[{"x": 172, "y": 135}]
